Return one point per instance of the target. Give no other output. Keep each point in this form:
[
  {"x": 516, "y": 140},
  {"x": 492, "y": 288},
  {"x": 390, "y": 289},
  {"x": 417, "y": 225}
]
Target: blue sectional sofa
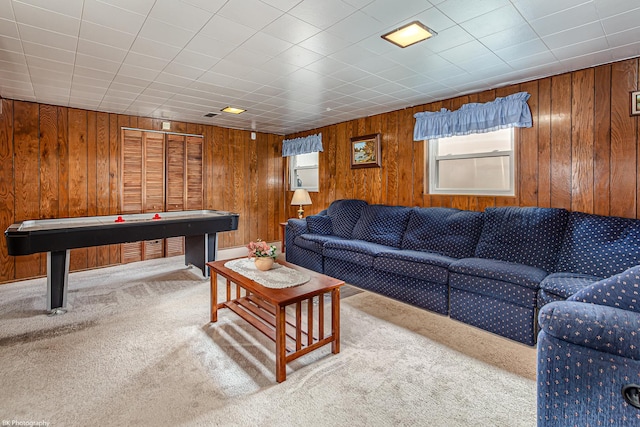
[
  {"x": 493, "y": 269},
  {"x": 589, "y": 356},
  {"x": 569, "y": 279}
]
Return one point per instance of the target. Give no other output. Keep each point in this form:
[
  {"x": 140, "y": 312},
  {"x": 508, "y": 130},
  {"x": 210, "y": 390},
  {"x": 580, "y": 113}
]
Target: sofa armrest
[
  {"x": 603, "y": 328},
  {"x": 619, "y": 291},
  {"x": 296, "y": 227}
]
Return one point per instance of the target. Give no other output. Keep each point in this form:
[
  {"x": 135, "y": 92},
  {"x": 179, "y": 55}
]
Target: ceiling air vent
[{"x": 211, "y": 114}]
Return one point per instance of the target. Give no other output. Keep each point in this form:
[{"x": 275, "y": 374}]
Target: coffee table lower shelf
[{"x": 295, "y": 334}]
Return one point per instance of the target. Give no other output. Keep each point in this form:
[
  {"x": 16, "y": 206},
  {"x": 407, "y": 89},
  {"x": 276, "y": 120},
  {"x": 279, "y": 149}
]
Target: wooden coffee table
[{"x": 264, "y": 308}]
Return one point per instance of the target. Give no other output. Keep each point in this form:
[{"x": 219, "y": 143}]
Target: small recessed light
[
  {"x": 409, "y": 34},
  {"x": 233, "y": 110},
  {"x": 211, "y": 114}
]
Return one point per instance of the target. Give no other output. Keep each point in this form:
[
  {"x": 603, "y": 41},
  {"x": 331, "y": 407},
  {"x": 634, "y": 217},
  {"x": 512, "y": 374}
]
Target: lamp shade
[{"x": 301, "y": 197}]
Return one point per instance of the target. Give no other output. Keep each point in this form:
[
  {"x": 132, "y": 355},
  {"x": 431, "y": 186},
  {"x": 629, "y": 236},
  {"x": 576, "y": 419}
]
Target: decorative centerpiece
[{"x": 263, "y": 254}]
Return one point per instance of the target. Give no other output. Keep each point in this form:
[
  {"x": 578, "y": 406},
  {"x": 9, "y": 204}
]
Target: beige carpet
[{"x": 136, "y": 348}]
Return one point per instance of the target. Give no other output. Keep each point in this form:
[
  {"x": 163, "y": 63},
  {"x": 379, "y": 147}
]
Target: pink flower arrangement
[{"x": 260, "y": 249}]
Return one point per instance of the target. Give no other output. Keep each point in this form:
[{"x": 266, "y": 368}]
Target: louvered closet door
[
  {"x": 142, "y": 186},
  {"x": 132, "y": 179},
  {"x": 153, "y": 188},
  {"x": 184, "y": 180}
]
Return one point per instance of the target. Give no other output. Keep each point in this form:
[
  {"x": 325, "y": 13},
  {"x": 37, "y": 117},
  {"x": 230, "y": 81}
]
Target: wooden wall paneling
[
  {"x": 359, "y": 179},
  {"x": 48, "y": 126},
  {"x": 602, "y": 142},
  {"x": 527, "y": 141},
  {"x": 78, "y": 198},
  {"x": 27, "y": 186},
  {"x": 544, "y": 142},
  {"x": 222, "y": 138},
  {"x": 63, "y": 162},
  {"x": 253, "y": 189},
  {"x": 115, "y": 203},
  {"x": 102, "y": 178},
  {"x": 561, "y": 141},
  {"x": 48, "y": 161},
  {"x": 419, "y": 167},
  {"x": 344, "y": 178},
  {"x": 273, "y": 231},
  {"x": 405, "y": 157},
  {"x": 434, "y": 106},
  {"x": 262, "y": 186},
  {"x": 92, "y": 179},
  {"x": 208, "y": 162},
  {"x": 582, "y": 137},
  {"x": 328, "y": 167},
  {"x": 237, "y": 166},
  {"x": 390, "y": 157},
  {"x": 624, "y": 78},
  {"x": 7, "y": 195}
]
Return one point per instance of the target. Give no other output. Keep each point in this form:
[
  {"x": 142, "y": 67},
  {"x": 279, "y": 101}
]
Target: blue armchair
[{"x": 589, "y": 356}]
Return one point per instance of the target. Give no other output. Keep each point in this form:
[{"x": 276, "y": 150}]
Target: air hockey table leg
[
  {"x": 199, "y": 250},
  {"x": 57, "y": 279}
]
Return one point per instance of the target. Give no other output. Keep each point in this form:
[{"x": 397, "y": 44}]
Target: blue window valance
[
  {"x": 306, "y": 144},
  {"x": 510, "y": 111}
]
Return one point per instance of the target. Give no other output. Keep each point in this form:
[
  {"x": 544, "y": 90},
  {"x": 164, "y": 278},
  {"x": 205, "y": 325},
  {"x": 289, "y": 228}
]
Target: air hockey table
[{"x": 57, "y": 237}]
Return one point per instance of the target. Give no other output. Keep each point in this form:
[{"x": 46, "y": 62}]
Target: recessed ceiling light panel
[
  {"x": 233, "y": 110},
  {"x": 409, "y": 34}
]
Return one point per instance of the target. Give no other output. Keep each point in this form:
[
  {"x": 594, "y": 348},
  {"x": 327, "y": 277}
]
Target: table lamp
[{"x": 300, "y": 197}]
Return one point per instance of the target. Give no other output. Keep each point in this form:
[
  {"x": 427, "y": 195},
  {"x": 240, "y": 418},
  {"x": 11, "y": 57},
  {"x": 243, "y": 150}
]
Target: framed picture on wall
[
  {"x": 635, "y": 103},
  {"x": 365, "y": 151}
]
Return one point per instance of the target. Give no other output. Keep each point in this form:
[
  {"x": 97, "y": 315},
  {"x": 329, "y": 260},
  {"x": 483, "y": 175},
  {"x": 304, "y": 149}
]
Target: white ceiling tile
[
  {"x": 92, "y": 73},
  {"x": 492, "y": 22},
  {"x": 231, "y": 69},
  {"x": 144, "y": 61},
  {"x": 109, "y": 53},
  {"x": 464, "y": 52},
  {"x": 46, "y": 19},
  {"x": 212, "y": 6},
  {"x": 180, "y": 70},
  {"x": 97, "y": 63},
  {"x": 283, "y": 5},
  {"x": 137, "y": 72},
  {"x": 16, "y": 58},
  {"x": 195, "y": 60},
  {"x": 114, "y": 17},
  {"x": 299, "y": 56},
  {"x": 162, "y": 32},
  {"x": 622, "y": 22},
  {"x": 451, "y": 37},
  {"x": 290, "y": 29},
  {"x": 522, "y": 50},
  {"x": 180, "y": 14},
  {"x": 509, "y": 37},
  {"x": 47, "y": 38},
  {"x": 9, "y": 44},
  {"x": 322, "y": 14},
  {"x": 574, "y": 35},
  {"x": 88, "y": 81},
  {"x": 622, "y": 38},
  {"x": 213, "y": 48},
  {"x": 356, "y": 27},
  {"x": 226, "y": 30},
  {"x": 535, "y": 60},
  {"x": 9, "y": 29},
  {"x": 535, "y": 9},
  {"x": 141, "y": 7},
  {"x": 106, "y": 36},
  {"x": 325, "y": 43},
  {"x": 252, "y": 13},
  {"x": 72, "y": 8},
  {"x": 395, "y": 12},
  {"x": 574, "y": 17},
  {"x": 47, "y": 52},
  {"x": 463, "y": 10},
  {"x": 266, "y": 44},
  {"x": 152, "y": 48},
  {"x": 435, "y": 19},
  {"x": 579, "y": 49}
]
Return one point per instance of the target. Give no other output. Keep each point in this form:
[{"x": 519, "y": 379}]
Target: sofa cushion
[
  {"x": 619, "y": 291},
  {"x": 382, "y": 224},
  {"x": 353, "y": 251},
  {"x": 564, "y": 285},
  {"x": 529, "y": 236},
  {"x": 319, "y": 224},
  {"x": 599, "y": 245},
  {"x": 344, "y": 214},
  {"x": 446, "y": 231},
  {"x": 518, "y": 274},
  {"x": 420, "y": 265},
  {"x": 314, "y": 242}
]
